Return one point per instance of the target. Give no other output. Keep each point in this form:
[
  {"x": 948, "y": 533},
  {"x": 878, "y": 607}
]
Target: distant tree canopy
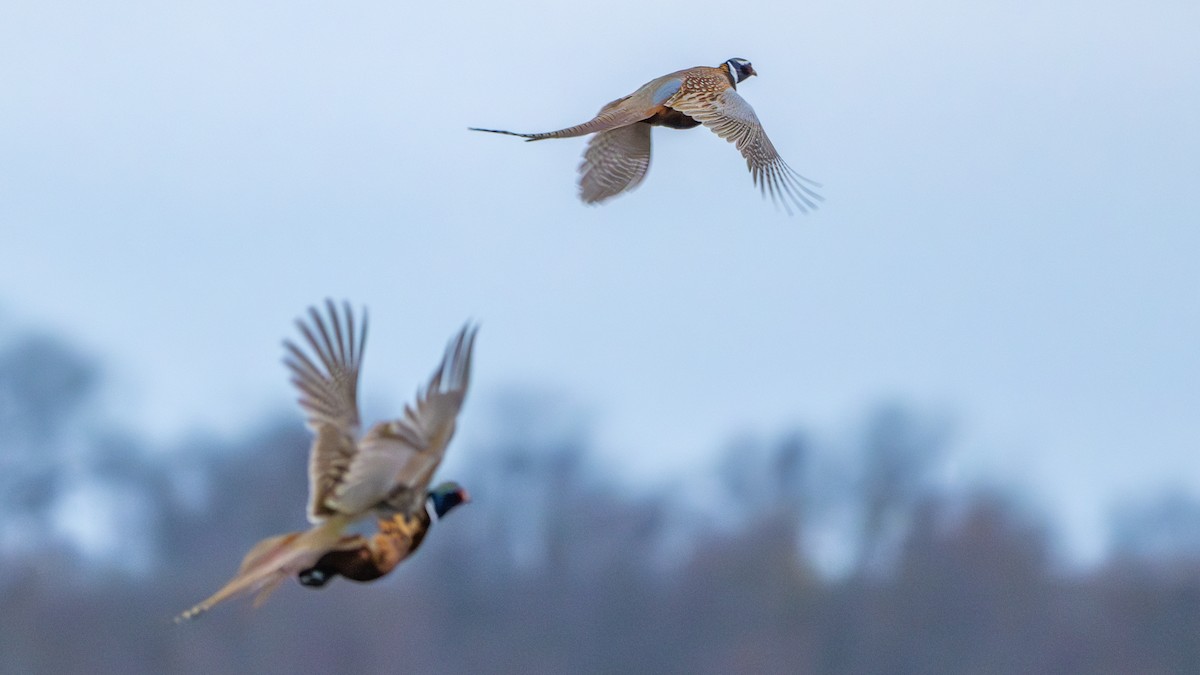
[
  {"x": 557, "y": 567},
  {"x": 45, "y": 387}
]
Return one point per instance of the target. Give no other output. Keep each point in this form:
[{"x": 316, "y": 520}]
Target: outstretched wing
[
  {"x": 396, "y": 459},
  {"x": 327, "y": 378},
  {"x": 615, "y": 161},
  {"x": 732, "y": 118}
]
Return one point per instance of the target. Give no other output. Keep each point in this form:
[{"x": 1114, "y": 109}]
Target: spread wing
[
  {"x": 396, "y": 459},
  {"x": 327, "y": 379},
  {"x": 732, "y": 118},
  {"x": 615, "y": 161}
]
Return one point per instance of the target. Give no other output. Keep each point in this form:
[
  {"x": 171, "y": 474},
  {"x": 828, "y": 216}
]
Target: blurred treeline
[{"x": 790, "y": 556}]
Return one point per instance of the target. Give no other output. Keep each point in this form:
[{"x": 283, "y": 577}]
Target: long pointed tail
[
  {"x": 271, "y": 561},
  {"x": 528, "y": 137},
  {"x": 612, "y": 116}
]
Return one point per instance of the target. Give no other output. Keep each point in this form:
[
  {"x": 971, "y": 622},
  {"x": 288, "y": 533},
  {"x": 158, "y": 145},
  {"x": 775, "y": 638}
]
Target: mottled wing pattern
[
  {"x": 615, "y": 161},
  {"x": 327, "y": 379},
  {"x": 396, "y": 459},
  {"x": 732, "y": 118}
]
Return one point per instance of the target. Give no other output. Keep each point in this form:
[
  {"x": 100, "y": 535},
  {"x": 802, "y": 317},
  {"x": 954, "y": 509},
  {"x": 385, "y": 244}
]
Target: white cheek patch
[{"x": 431, "y": 510}]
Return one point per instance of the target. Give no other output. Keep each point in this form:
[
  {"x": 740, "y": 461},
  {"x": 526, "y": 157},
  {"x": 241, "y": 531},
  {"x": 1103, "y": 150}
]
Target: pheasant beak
[
  {"x": 464, "y": 495},
  {"x": 750, "y": 70}
]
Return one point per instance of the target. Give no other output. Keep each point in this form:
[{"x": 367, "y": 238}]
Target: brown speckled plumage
[{"x": 366, "y": 559}]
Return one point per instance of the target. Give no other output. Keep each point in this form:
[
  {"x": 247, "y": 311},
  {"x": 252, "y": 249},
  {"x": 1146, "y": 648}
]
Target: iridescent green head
[{"x": 446, "y": 496}]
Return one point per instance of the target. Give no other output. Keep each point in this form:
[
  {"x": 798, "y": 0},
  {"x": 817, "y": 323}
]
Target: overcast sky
[{"x": 1010, "y": 235}]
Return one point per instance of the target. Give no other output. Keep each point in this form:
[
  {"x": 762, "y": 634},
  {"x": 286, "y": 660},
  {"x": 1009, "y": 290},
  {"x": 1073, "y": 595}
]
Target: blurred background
[{"x": 946, "y": 423}]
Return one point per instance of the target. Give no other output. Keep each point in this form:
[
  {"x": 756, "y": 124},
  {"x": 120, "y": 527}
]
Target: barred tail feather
[
  {"x": 273, "y": 560},
  {"x": 528, "y": 137},
  {"x": 611, "y": 117}
]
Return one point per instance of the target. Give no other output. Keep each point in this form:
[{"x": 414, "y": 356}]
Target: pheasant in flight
[
  {"x": 386, "y": 471},
  {"x": 618, "y": 156}
]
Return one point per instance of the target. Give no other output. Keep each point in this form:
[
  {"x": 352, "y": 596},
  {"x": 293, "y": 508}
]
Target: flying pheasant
[
  {"x": 387, "y": 471},
  {"x": 618, "y": 156}
]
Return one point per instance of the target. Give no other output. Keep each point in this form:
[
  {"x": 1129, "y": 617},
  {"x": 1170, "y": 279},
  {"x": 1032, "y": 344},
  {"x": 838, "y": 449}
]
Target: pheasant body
[
  {"x": 618, "y": 156},
  {"x": 364, "y": 559}
]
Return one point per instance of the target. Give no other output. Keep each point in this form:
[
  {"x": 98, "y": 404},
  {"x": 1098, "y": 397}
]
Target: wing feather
[
  {"x": 732, "y": 118},
  {"x": 327, "y": 379},
  {"x": 396, "y": 459},
  {"x": 615, "y": 161}
]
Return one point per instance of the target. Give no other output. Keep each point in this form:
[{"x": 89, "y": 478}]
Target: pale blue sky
[{"x": 1010, "y": 234}]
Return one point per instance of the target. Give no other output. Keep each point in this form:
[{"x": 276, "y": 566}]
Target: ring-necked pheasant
[
  {"x": 386, "y": 471},
  {"x": 618, "y": 156}
]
